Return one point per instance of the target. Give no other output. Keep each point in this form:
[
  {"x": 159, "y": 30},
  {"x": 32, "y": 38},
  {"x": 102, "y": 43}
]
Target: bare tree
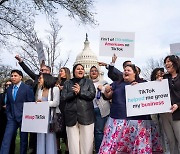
[
  {"x": 151, "y": 65},
  {"x": 4, "y": 72},
  {"x": 77, "y": 9},
  {"x": 17, "y": 16},
  {"x": 16, "y": 21},
  {"x": 51, "y": 49}
]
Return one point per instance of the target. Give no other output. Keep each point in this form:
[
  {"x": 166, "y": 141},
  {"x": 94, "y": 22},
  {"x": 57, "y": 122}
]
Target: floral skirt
[{"x": 130, "y": 136}]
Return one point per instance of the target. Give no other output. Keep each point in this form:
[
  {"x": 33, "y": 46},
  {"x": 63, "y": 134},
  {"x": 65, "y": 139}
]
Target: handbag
[{"x": 56, "y": 119}]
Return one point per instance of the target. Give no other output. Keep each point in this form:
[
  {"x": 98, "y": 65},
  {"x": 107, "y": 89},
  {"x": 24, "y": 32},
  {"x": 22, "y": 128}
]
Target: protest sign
[
  {"x": 175, "y": 49},
  {"x": 35, "y": 117},
  {"x": 148, "y": 98},
  {"x": 119, "y": 43}
]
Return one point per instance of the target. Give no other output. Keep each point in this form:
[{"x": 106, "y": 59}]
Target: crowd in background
[{"x": 93, "y": 111}]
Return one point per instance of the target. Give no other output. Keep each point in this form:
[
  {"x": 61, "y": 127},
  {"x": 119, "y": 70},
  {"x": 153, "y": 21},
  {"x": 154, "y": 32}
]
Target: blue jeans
[{"x": 98, "y": 128}]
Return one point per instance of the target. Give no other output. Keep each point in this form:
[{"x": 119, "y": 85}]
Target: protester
[
  {"x": 157, "y": 74},
  {"x": 46, "y": 143},
  {"x": 171, "y": 121},
  {"x": 78, "y": 93},
  {"x": 35, "y": 77},
  {"x": 32, "y": 136},
  {"x": 3, "y": 118},
  {"x": 113, "y": 73},
  {"x": 29, "y": 82},
  {"x": 64, "y": 74},
  {"x": 124, "y": 134},
  {"x": 17, "y": 95},
  {"x": 101, "y": 107}
]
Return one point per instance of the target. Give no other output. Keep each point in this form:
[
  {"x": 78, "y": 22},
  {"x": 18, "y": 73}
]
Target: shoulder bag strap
[
  {"x": 51, "y": 94},
  {"x": 52, "y": 109}
]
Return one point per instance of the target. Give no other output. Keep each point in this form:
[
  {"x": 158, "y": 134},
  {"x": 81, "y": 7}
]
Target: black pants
[{"x": 33, "y": 142}]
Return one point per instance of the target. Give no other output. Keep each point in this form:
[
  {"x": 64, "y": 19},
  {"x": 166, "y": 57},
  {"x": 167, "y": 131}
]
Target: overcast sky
[{"x": 156, "y": 24}]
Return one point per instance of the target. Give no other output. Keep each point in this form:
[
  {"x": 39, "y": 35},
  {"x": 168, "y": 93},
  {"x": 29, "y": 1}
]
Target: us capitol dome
[{"x": 88, "y": 58}]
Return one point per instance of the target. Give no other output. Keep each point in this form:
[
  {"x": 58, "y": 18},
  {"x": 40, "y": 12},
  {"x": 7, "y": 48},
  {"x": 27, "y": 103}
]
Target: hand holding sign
[
  {"x": 174, "y": 107},
  {"x": 148, "y": 98}
]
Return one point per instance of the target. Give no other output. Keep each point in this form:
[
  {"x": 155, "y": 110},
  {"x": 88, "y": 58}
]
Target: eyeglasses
[{"x": 43, "y": 70}]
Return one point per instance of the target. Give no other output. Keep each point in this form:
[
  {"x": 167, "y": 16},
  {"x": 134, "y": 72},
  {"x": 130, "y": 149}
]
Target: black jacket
[
  {"x": 34, "y": 76},
  {"x": 174, "y": 87},
  {"x": 114, "y": 74},
  {"x": 2, "y": 110},
  {"x": 79, "y": 108}
]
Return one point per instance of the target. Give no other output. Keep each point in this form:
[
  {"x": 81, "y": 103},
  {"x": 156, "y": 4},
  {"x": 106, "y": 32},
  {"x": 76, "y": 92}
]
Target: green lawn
[
  {"x": 17, "y": 150},
  {"x": 17, "y": 143}
]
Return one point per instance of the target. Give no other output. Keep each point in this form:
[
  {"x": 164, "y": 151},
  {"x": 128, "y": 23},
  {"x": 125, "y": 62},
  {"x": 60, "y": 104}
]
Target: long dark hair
[
  {"x": 154, "y": 73},
  {"x": 49, "y": 81},
  {"x": 175, "y": 61}
]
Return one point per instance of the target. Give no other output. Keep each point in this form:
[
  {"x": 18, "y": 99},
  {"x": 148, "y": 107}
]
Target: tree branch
[{"x": 2, "y": 1}]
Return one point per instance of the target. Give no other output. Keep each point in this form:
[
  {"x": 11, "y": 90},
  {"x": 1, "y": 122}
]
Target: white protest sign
[
  {"x": 148, "y": 98},
  {"x": 119, "y": 43},
  {"x": 175, "y": 49},
  {"x": 40, "y": 51},
  {"x": 35, "y": 117}
]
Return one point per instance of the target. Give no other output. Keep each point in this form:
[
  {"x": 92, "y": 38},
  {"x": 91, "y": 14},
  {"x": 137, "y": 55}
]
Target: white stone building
[{"x": 88, "y": 58}]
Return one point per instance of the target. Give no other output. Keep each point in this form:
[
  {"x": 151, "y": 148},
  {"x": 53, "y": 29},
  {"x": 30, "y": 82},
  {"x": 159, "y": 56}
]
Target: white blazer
[{"x": 56, "y": 97}]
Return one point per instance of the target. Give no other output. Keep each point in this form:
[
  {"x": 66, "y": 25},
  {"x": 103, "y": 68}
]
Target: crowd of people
[{"x": 93, "y": 111}]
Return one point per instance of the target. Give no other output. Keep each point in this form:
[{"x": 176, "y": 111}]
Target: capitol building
[{"x": 88, "y": 59}]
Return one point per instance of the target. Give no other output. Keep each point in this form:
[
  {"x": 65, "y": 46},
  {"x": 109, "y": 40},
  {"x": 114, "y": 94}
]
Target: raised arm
[{"x": 25, "y": 67}]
